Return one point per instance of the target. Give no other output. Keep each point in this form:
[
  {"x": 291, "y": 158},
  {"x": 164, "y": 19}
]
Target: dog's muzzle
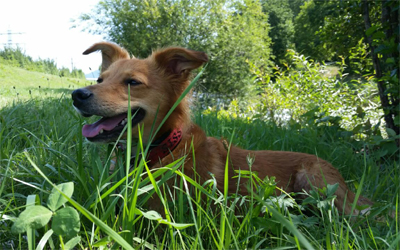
[
  {"x": 81, "y": 98},
  {"x": 109, "y": 127}
]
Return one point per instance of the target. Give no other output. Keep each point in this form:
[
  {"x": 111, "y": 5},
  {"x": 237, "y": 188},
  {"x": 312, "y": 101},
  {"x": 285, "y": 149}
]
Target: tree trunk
[{"x": 387, "y": 106}]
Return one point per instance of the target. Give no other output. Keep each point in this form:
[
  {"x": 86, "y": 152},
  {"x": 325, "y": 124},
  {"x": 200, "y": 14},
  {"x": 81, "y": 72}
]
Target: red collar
[{"x": 165, "y": 147}]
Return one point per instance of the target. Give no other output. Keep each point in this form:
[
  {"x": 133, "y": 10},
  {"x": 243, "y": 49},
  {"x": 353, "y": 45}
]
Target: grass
[
  {"x": 20, "y": 85},
  {"x": 41, "y": 139}
]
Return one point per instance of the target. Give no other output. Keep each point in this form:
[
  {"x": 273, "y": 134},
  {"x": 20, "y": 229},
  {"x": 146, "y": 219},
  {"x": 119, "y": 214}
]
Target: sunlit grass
[
  {"x": 41, "y": 139},
  {"x": 20, "y": 85}
]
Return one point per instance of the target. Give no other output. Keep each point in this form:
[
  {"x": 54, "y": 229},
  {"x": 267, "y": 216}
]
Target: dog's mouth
[{"x": 108, "y": 128}]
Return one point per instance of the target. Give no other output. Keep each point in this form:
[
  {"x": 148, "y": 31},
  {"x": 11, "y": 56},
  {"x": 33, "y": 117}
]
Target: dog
[{"x": 155, "y": 85}]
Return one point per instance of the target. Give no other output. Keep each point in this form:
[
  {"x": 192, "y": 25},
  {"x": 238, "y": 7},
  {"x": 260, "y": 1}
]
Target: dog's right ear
[
  {"x": 178, "y": 60},
  {"x": 110, "y": 53}
]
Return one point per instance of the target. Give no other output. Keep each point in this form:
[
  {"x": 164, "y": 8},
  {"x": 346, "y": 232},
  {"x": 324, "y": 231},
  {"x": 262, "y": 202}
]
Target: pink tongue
[{"x": 91, "y": 130}]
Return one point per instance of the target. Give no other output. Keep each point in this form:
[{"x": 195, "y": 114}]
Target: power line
[{"x": 9, "y": 33}]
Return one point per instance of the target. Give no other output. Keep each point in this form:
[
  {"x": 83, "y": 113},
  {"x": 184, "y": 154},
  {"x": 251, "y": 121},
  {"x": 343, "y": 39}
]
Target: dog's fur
[{"x": 155, "y": 84}]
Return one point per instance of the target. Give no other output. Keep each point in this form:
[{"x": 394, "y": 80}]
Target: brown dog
[{"x": 155, "y": 84}]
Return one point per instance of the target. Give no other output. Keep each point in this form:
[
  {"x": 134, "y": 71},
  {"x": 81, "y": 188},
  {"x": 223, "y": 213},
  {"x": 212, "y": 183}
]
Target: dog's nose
[{"x": 81, "y": 95}]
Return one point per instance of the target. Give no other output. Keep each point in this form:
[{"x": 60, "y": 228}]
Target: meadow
[
  {"x": 42, "y": 147},
  {"x": 18, "y": 84}
]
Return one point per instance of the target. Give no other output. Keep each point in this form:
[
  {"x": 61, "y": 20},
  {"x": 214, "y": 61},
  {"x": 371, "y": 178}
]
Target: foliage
[
  {"x": 305, "y": 94},
  {"x": 242, "y": 36},
  {"x": 229, "y": 31},
  {"x": 359, "y": 59},
  {"x": 307, "y": 25},
  {"x": 343, "y": 34},
  {"x": 18, "y": 58},
  {"x": 280, "y": 19},
  {"x": 65, "y": 221},
  {"x": 305, "y": 85},
  {"x": 328, "y": 30},
  {"x": 295, "y": 6},
  {"x": 383, "y": 40},
  {"x": 366, "y": 34}
]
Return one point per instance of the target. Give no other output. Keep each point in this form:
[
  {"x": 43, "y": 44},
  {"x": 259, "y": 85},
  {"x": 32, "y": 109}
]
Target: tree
[
  {"x": 280, "y": 19},
  {"x": 383, "y": 42},
  {"x": 366, "y": 34},
  {"x": 295, "y": 6},
  {"x": 307, "y": 25},
  {"x": 231, "y": 32},
  {"x": 343, "y": 34},
  {"x": 241, "y": 38}
]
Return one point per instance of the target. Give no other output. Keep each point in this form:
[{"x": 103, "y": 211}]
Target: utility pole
[{"x": 9, "y": 34}]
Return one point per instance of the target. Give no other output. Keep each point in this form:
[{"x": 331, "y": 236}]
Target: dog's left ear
[
  {"x": 179, "y": 60},
  {"x": 110, "y": 53}
]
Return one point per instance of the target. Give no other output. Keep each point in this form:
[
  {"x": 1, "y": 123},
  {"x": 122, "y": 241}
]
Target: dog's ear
[
  {"x": 179, "y": 60},
  {"x": 110, "y": 53}
]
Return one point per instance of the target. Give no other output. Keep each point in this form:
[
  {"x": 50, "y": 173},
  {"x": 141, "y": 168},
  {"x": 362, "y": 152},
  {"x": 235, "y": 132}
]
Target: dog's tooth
[
  {"x": 101, "y": 131},
  {"x": 124, "y": 121}
]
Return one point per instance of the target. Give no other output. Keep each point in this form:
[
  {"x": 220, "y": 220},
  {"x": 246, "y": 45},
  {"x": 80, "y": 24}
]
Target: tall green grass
[{"x": 41, "y": 143}]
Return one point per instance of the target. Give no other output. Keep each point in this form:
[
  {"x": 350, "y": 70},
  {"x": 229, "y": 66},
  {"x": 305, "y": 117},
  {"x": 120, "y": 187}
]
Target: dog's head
[{"x": 155, "y": 84}]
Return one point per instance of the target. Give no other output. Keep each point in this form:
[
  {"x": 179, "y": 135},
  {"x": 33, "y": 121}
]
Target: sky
[{"x": 46, "y": 27}]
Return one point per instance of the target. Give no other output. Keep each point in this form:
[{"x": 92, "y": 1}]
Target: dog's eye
[
  {"x": 132, "y": 82},
  {"x": 99, "y": 80}
]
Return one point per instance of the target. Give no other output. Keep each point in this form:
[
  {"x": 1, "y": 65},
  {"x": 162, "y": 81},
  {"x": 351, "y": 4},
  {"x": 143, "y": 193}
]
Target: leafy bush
[
  {"x": 304, "y": 86},
  {"x": 304, "y": 94}
]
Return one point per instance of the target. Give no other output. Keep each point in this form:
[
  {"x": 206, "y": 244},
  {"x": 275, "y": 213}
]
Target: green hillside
[{"x": 20, "y": 84}]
